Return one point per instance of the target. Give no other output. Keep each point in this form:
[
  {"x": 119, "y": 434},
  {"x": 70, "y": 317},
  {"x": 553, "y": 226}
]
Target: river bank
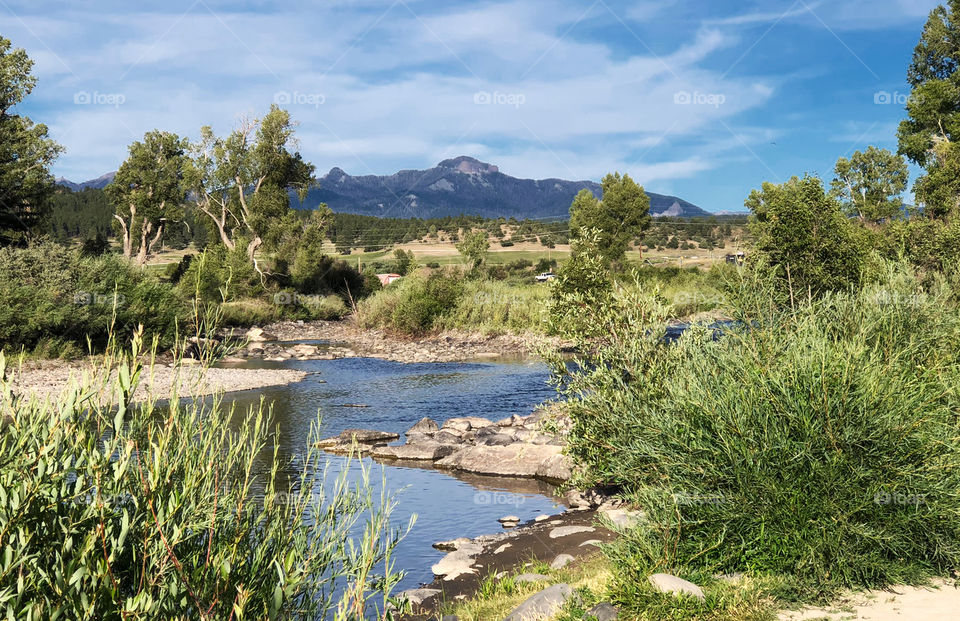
[{"x": 275, "y": 341}]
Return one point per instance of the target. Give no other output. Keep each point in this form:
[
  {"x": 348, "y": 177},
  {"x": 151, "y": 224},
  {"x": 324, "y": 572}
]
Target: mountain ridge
[{"x": 455, "y": 186}]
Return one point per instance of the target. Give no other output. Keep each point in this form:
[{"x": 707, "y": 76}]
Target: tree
[
  {"x": 928, "y": 136},
  {"x": 474, "y": 247},
  {"x": 26, "y": 151},
  {"x": 801, "y": 231},
  {"x": 404, "y": 260},
  {"x": 242, "y": 182},
  {"x": 148, "y": 191},
  {"x": 870, "y": 183},
  {"x": 620, "y": 217}
]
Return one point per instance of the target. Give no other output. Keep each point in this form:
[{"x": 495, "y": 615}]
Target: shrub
[
  {"x": 56, "y": 296},
  {"x": 412, "y": 304},
  {"x": 109, "y": 511},
  {"x": 819, "y": 444}
]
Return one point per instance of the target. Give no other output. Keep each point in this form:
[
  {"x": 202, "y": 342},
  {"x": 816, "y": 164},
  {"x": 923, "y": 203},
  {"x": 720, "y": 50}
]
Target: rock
[
  {"x": 452, "y": 545},
  {"x": 502, "y": 548},
  {"x": 541, "y": 518},
  {"x": 556, "y": 468},
  {"x": 561, "y": 561},
  {"x": 304, "y": 350},
  {"x": 445, "y": 437},
  {"x": 418, "y": 596},
  {"x": 466, "y": 423},
  {"x": 427, "y": 451},
  {"x": 509, "y": 518},
  {"x": 458, "y": 562},
  {"x": 576, "y": 499},
  {"x": 591, "y": 542},
  {"x": 531, "y": 578},
  {"x": 622, "y": 519},
  {"x": 602, "y": 612},
  {"x": 665, "y": 583},
  {"x": 258, "y": 335},
  {"x": 426, "y": 426},
  {"x": 566, "y": 531},
  {"x": 516, "y": 460},
  {"x": 543, "y": 605},
  {"x": 497, "y": 439},
  {"x": 367, "y": 436}
]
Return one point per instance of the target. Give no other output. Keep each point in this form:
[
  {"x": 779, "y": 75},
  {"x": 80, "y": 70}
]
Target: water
[{"x": 398, "y": 395}]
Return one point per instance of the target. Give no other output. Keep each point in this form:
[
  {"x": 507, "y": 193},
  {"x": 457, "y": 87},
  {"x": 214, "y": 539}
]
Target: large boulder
[{"x": 514, "y": 460}]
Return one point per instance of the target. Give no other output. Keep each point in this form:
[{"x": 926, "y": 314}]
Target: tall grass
[
  {"x": 110, "y": 510},
  {"x": 818, "y": 445}
]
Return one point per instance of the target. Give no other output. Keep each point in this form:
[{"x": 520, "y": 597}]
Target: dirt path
[{"x": 939, "y": 602}]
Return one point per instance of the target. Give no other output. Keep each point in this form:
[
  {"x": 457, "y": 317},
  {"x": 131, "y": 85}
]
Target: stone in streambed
[
  {"x": 566, "y": 531},
  {"x": 517, "y": 460},
  {"x": 424, "y": 426},
  {"x": 427, "y": 451},
  {"x": 367, "y": 436}
]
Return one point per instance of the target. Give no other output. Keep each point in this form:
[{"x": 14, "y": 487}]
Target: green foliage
[
  {"x": 802, "y": 233},
  {"x": 148, "y": 192},
  {"x": 474, "y": 248},
  {"x": 220, "y": 275},
  {"x": 620, "y": 218},
  {"x": 53, "y": 292},
  {"x": 818, "y": 444},
  {"x": 870, "y": 183},
  {"x": 582, "y": 285},
  {"x": 405, "y": 261},
  {"x": 110, "y": 510},
  {"x": 928, "y": 136},
  {"x": 422, "y": 301},
  {"x": 26, "y": 151}
]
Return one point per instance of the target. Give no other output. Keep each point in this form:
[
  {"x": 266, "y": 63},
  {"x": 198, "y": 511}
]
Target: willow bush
[
  {"x": 111, "y": 510},
  {"x": 818, "y": 443}
]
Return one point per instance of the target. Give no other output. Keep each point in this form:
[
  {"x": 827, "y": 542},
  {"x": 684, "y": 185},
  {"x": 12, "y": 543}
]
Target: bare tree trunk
[
  {"x": 145, "y": 231},
  {"x": 252, "y": 248},
  {"x": 127, "y": 242}
]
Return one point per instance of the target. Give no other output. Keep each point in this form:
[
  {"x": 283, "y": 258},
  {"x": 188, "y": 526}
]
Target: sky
[{"x": 703, "y": 99}]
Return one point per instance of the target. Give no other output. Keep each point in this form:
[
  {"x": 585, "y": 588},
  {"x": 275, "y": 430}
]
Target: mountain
[
  {"x": 464, "y": 185},
  {"x": 461, "y": 185},
  {"x": 99, "y": 183}
]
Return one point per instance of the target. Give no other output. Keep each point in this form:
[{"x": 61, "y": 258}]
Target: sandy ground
[
  {"x": 51, "y": 379},
  {"x": 903, "y": 603}
]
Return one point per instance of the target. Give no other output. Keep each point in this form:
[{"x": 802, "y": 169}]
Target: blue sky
[{"x": 705, "y": 99}]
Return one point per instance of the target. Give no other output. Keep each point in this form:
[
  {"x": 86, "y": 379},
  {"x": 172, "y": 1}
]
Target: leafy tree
[
  {"x": 928, "y": 136},
  {"x": 149, "y": 191},
  {"x": 582, "y": 288},
  {"x": 870, "y": 184},
  {"x": 620, "y": 217},
  {"x": 404, "y": 260},
  {"x": 474, "y": 247},
  {"x": 26, "y": 152},
  {"x": 241, "y": 182},
  {"x": 802, "y": 232}
]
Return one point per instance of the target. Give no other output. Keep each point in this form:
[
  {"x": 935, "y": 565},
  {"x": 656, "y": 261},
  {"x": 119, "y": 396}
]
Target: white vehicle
[{"x": 546, "y": 276}]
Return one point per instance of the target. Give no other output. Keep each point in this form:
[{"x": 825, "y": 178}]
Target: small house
[{"x": 386, "y": 279}]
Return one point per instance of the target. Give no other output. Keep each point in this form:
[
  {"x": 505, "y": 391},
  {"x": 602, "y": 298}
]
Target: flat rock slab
[
  {"x": 543, "y": 605},
  {"x": 367, "y": 436},
  {"x": 565, "y": 531},
  {"x": 458, "y": 562},
  {"x": 427, "y": 451},
  {"x": 515, "y": 460},
  {"x": 666, "y": 583}
]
